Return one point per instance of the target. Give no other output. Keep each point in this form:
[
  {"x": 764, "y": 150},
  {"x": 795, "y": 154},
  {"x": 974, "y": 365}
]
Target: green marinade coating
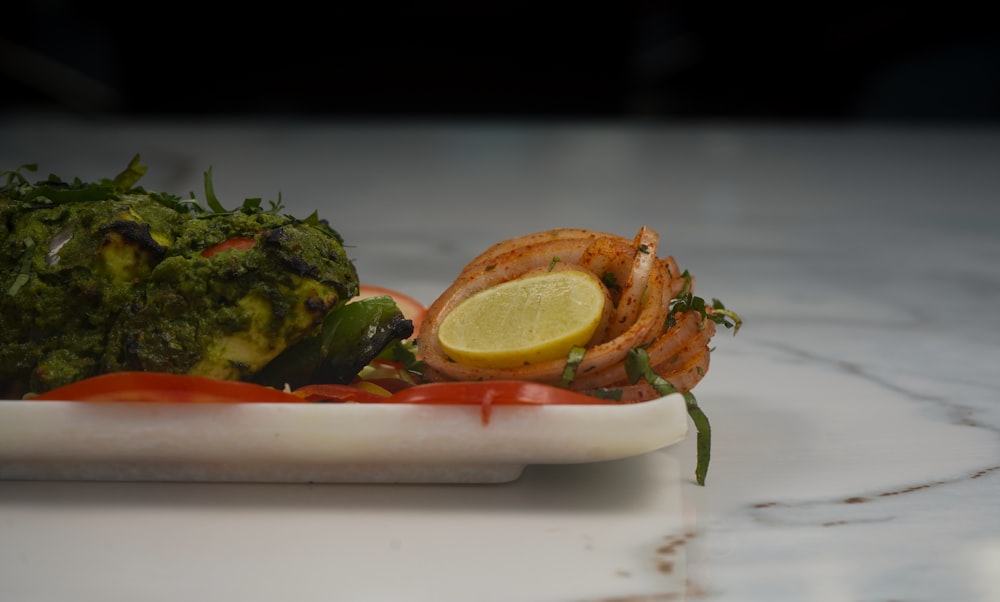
[{"x": 98, "y": 277}]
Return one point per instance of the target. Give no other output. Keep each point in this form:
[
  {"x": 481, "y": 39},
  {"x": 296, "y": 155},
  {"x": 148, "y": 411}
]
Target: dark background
[{"x": 648, "y": 60}]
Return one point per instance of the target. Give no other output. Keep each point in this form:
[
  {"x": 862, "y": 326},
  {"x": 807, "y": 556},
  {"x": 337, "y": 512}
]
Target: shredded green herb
[
  {"x": 716, "y": 312},
  {"x": 15, "y": 177},
  {"x": 131, "y": 175},
  {"x": 404, "y": 353},
  {"x": 637, "y": 367},
  {"x": 24, "y": 268},
  {"x": 55, "y": 191},
  {"x": 610, "y": 281},
  {"x": 608, "y": 393},
  {"x": 573, "y": 360},
  {"x": 210, "y": 198}
]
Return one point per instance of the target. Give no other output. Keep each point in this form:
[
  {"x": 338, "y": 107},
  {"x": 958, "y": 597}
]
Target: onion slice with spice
[
  {"x": 656, "y": 341},
  {"x": 641, "y": 286}
]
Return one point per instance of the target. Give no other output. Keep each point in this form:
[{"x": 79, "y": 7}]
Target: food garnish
[
  {"x": 654, "y": 342},
  {"x": 534, "y": 318},
  {"x": 652, "y": 301}
]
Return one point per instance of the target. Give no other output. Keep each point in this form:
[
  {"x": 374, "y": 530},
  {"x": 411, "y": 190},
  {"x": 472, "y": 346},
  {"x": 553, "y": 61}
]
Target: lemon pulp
[{"x": 531, "y": 319}]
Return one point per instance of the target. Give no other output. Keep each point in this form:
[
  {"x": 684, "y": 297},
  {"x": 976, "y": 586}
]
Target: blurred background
[{"x": 643, "y": 60}]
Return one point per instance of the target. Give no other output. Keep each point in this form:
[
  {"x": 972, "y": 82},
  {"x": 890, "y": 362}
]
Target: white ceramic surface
[
  {"x": 856, "y": 415},
  {"x": 322, "y": 443}
]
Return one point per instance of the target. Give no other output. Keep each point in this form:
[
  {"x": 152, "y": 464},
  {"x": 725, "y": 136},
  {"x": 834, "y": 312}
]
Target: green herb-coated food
[{"x": 107, "y": 276}]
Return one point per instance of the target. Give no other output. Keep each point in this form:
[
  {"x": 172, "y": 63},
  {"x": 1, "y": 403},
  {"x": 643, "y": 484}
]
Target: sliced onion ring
[{"x": 642, "y": 286}]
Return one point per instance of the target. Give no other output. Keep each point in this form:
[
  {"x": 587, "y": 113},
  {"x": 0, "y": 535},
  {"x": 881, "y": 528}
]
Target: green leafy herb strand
[
  {"x": 704, "y": 430},
  {"x": 24, "y": 268},
  {"x": 576, "y": 355},
  {"x": 637, "y": 367}
]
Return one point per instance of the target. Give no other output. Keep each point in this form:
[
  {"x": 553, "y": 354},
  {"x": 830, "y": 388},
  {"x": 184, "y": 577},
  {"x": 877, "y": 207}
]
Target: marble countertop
[{"x": 856, "y": 415}]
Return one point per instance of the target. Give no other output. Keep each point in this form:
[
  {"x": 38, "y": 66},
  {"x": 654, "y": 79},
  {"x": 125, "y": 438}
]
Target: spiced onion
[{"x": 642, "y": 288}]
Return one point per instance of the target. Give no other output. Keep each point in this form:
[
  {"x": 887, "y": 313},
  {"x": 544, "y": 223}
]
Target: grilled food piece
[{"x": 107, "y": 276}]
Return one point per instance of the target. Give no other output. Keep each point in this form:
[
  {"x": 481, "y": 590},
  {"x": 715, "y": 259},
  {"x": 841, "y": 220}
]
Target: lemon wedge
[{"x": 534, "y": 318}]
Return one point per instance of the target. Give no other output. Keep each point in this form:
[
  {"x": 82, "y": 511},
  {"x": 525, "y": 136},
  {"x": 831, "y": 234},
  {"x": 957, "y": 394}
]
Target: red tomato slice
[
  {"x": 338, "y": 393},
  {"x": 156, "y": 386},
  {"x": 237, "y": 243},
  {"x": 491, "y": 393},
  {"x": 412, "y": 309}
]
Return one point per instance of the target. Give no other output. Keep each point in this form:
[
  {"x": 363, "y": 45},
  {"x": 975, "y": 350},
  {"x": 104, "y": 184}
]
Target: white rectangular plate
[{"x": 321, "y": 443}]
